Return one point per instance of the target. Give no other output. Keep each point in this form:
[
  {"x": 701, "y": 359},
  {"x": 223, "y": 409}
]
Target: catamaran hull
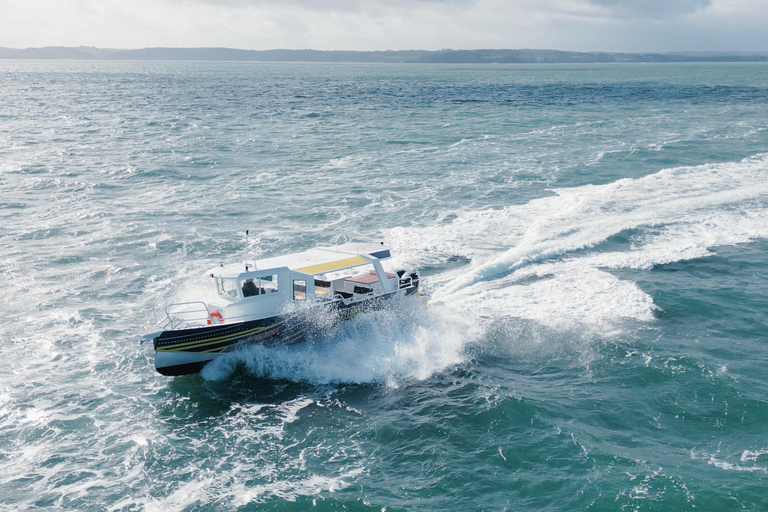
[{"x": 182, "y": 352}]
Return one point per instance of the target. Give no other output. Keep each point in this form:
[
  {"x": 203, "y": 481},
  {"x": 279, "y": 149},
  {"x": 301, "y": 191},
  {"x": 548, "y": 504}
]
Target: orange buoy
[{"x": 215, "y": 314}]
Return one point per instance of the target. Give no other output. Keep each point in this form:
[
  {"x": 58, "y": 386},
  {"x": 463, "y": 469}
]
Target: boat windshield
[{"x": 227, "y": 287}]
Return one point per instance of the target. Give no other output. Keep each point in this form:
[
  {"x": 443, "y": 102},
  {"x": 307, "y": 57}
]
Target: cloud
[
  {"x": 651, "y": 8},
  {"x": 579, "y": 25},
  {"x": 351, "y": 6}
]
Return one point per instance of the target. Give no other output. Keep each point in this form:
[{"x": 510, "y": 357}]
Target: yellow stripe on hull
[
  {"x": 286, "y": 340},
  {"x": 181, "y": 347},
  {"x": 214, "y": 350}
]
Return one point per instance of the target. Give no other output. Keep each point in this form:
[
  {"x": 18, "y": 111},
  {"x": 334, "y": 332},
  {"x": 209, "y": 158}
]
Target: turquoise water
[{"x": 594, "y": 239}]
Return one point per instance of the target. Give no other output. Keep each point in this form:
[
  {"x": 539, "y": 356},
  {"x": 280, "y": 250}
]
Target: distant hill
[{"x": 401, "y": 56}]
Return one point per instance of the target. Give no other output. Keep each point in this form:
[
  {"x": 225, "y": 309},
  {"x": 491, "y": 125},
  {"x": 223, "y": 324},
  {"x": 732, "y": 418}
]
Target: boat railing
[
  {"x": 156, "y": 315},
  {"x": 182, "y": 315}
]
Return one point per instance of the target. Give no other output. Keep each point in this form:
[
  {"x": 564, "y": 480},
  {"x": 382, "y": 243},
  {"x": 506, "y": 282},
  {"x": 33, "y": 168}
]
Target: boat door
[{"x": 302, "y": 287}]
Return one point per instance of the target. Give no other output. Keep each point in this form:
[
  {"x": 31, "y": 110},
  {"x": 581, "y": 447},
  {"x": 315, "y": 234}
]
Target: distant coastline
[{"x": 389, "y": 56}]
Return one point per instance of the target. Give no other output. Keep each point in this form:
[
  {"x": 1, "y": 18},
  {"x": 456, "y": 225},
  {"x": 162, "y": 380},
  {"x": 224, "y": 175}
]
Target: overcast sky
[{"x": 579, "y": 25}]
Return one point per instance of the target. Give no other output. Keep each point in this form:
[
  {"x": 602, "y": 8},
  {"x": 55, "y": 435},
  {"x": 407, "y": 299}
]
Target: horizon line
[{"x": 444, "y": 55}]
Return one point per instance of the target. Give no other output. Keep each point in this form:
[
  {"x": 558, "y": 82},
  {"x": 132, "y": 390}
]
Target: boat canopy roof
[{"x": 312, "y": 261}]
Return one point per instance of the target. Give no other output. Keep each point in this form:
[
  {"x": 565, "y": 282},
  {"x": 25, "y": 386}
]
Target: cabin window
[
  {"x": 227, "y": 287},
  {"x": 299, "y": 289},
  {"x": 259, "y": 285},
  {"x": 323, "y": 287}
]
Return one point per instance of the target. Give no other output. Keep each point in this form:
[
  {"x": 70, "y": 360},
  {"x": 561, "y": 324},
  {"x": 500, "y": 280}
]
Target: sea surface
[{"x": 594, "y": 240}]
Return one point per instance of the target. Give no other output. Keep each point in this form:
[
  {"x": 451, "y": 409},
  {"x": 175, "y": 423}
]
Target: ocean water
[{"x": 594, "y": 238}]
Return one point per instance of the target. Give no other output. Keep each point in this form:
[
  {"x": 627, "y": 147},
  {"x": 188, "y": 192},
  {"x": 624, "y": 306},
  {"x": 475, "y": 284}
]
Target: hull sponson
[
  {"x": 186, "y": 351},
  {"x": 181, "y": 363},
  {"x": 181, "y": 369}
]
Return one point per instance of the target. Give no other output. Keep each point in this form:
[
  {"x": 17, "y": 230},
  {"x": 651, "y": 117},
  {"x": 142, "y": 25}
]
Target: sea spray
[{"x": 401, "y": 342}]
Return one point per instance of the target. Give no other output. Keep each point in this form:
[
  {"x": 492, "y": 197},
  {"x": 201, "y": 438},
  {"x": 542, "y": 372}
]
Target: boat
[{"x": 274, "y": 301}]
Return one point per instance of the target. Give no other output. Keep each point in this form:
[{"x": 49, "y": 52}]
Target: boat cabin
[{"x": 266, "y": 287}]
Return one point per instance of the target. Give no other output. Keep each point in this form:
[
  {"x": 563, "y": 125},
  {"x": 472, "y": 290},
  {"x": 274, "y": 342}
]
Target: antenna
[{"x": 246, "y": 250}]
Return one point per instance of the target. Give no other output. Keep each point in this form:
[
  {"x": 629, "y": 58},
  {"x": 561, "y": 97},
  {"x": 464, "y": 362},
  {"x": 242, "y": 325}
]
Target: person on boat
[{"x": 249, "y": 289}]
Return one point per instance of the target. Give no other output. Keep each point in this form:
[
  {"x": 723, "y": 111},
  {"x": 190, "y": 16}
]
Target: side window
[
  {"x": 299, "y": 289},
  {"x": 268, "y": 284},
  {"x": 259, "y": 285}
]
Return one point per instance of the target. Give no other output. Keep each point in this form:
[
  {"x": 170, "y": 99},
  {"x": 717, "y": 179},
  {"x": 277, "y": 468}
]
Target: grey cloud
[
  {"x": 652, "y": 8},
  {"x": 333, "y": 5}
]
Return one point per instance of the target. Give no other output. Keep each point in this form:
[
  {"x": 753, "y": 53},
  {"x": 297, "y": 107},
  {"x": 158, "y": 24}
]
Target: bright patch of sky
[{"x": 578, "y": 25}]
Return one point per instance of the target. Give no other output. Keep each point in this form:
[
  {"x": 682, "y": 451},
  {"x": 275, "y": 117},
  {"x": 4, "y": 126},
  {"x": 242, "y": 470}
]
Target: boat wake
[{"x": 552, "y": 260}]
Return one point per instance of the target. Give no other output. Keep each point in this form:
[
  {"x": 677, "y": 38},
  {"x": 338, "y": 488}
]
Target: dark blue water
[{"x": 594, "y": 240}]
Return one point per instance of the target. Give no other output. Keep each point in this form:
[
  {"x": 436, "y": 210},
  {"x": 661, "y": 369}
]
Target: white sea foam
[
  {"x": 290, "y": 490},
  {"x": 256, "y": 477},
  {"x": 749, "y": 455},
  {"x": 719, "y": 462},
  {"x": 673, "y": 215}
]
